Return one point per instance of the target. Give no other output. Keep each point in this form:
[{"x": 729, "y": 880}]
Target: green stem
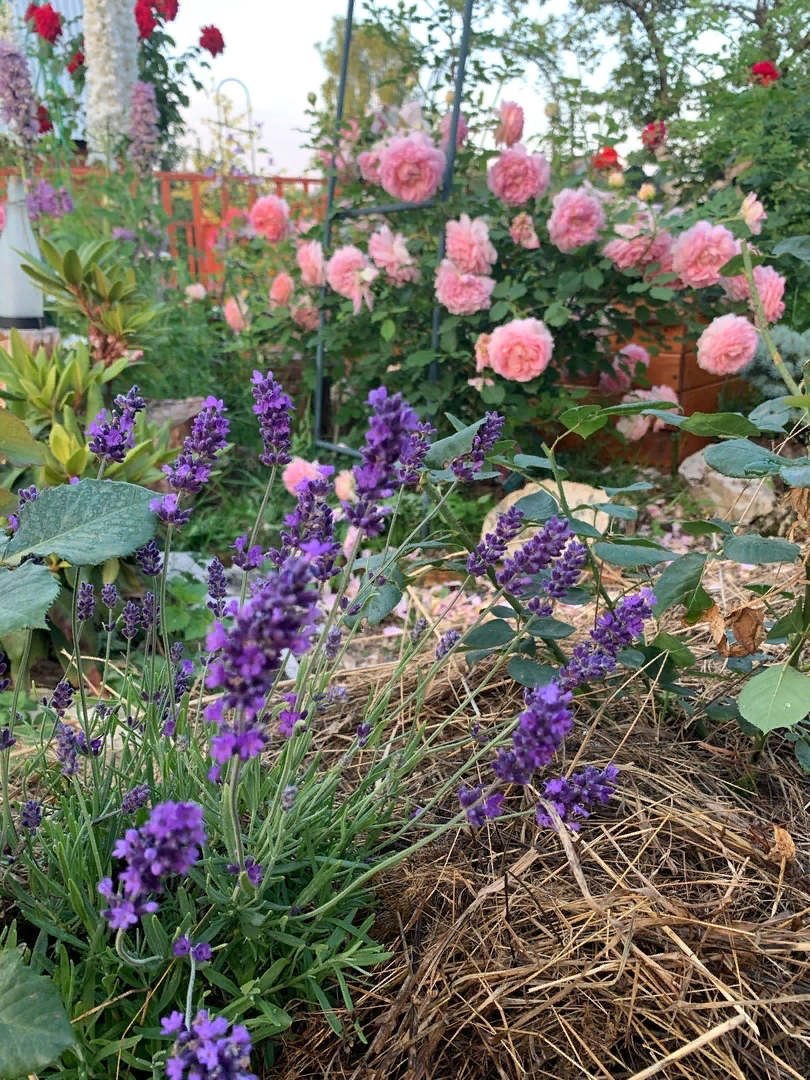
[
  {"x": 762, "y": 323},
  {"x": 190, "y": 991},
  {"x": 9, "y": 832},
  {"x": 77, "y": 652}
]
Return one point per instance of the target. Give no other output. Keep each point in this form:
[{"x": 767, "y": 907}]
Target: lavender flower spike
[
  {"x": 542, "y": 727},
  {"x": 535, "y": 555},
  {"x": 478, "y": 811},
  {"x": 207, "y": 1051},
  {"x": 217, "y": 587},
  {"x": 466, "y": 466},
  {"x": 112, "y": 438},
  {"x": 446, "y": 643},
  {"x": 614, "y": 631},
  {"x": 273, "y": 408},
  {"x": 493, "y": 547},
  {"x": 574, "y": 798},
  {"x": 85, "y": 602}
]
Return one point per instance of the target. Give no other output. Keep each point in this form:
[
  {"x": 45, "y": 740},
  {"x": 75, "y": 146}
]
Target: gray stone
[{"x": 740, "y": 500}]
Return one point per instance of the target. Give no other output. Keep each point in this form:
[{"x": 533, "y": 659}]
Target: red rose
[
  {"x": 211, "y": 39},
  {"x": 654, "y": 135},
  {"x": 76, "y": 61},
  {"x": 144, "y": 18},
  {"x": 30, "y": 12},
  {"x": 167, "y": 8},
  {"x": 47, "y": 22},
  {"x": 44, "y": 120},
  {"x": 765, "y": 73},
  {"x": 607, "y": 158}
]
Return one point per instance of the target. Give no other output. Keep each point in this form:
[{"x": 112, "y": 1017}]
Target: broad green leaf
[
  {"x": 679, "y": 582},
  {"x": 383, "y": 602},
  {"x": 528, "y": 673},
  {"x": 452, "y": 447},
  {"x": 493, "y": 395},
  {"x": 498, "y": 311},
  {"x": 680, "y": 655},
  {"x": 85, "y": 523},
  {"x": 631, "y": 408},
  {"x": 719, "y": 425},
  {"x": 755, "y": 549},
  {"x": 798, "y": 246},
  {"x": 797, "y": 474},
  {"x": 708, "y": 528},
  {"x": 34, "y": 1028},
  {"x": 742, "y": 458},
  {"x": 640, "y": 485},
  {"x": 546, "y": 627},
  {"x": 26, "y": 595},
  {"x": 539, "y": 506},
  {"x": 791, "y": 623},
  {"x": 632, "y": 554},
  {"x": 802, "y": 751},
  {"x": 388, "y": 330},
  {"x": 772, "y": 415},
  {"x": 626, "y": 513},
  {"x": 8, "y": 501},
  {"x": 584, "y": 420},
  {"x": 489, "y": 635},
  {"x": 17, "y": 444},
  {"x": 72, "y": 267},
  {"x": 778, "y": 697},
  {"x": 530, "y": 461}
]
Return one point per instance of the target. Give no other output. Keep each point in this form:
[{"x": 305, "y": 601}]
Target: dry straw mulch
[{"x": 671, "y": 938}]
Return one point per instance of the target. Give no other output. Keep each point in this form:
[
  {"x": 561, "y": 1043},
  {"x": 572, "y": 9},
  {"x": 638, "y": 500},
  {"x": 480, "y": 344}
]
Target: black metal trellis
[{"x": 322, "y": 381}]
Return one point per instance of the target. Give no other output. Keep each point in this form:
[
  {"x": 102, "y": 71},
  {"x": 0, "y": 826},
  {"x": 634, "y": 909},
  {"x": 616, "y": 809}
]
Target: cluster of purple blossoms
[
  {"x": 143, "y": 129},
  {"x": 290, "y": 717},
  {"x": 93, "y": 747},
  {"x": 5, "y": 681},
  {"x": 85, "y": 602},
  {"x": 207, "y": 1051},
  {"x": 564, "y": 575},
  {"x": 168, "y": 843},
  {"x": 149, "y": 561},
  {"x": 7, "y": 740},
  {"x": 61, "y": 698},
  {"x": 109, "y": 598},
  {"x": 419, "y": 627},
  {"x": 536, "y": 554},
  {"x": 150, "y": 613},
  {"x": 19, "y": 110},
  {"x": 120, "y": 233},
  {"x": 246, "y": 558},
  {"x": 614, "y": 631},
  {"x": 465, "y": 467},
  {"x": 183, "y": 676},
  {"x": 480, "y": 810},
  {"x": 112, "y": 438},
  {"x": 572, "y": 798},
  {"x": 389, "y": 437},
  {"x": 413, "y": 454},
  {"x": 135, "y": 799},
  {"x": 493, "y": 547},
  {"x": 31, "y": 816},
  {"x": 67, "y": 749},
  {"x": 331, "y": 646},
  {"x": 193, "y": 466},
  {"x": 47, "y": 201},
  {"x": 310, "y": 529},
  {"x": 217, "y": 587},
  {"x": 446, "y": 643},
  {"x": 273, "y": 408},
  {"x": 201, "y": 952},
  {"x": 542, "y": 727},
  {"x": 288, "y": 797},
  {"x": 130, "y": 620},
  {"x": 363, "y": 733},
  {"x": 25, "y": 495},
  {"x": 252, "y": 869}
]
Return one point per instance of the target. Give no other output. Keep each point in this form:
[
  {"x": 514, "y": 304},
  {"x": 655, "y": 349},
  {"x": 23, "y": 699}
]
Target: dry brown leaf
[
  {"x": 783, "y": 849},
  {"x": 746, "y": 623}
]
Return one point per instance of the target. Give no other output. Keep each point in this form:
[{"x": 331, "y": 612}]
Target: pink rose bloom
[
  {"x": 305, "y": 314},
  {"x": 636, "y": 427},
  {"x": 350, "y": 274},
  {"x": 518, "y": 176},
  {"x": 626, "y": 364},
  {"x": 236, "y": 313},
  {"x": 698, "y": 254},
  {"x": 522, "y": 232},
  {"x": 510, "y": 127},
  {"x": 193, "y": 292},
  {"x": 479, "y": 383},
  {"x": 298, "y": 470},
  {"x": 311, "y": 263},
  {"x": 482, "y": 351},
  {"x": 771, "y": 288},
  {"x": 664, "y": 260},
  {"x": 369, "y": 164},
  {"x": 346, "y": 486},
  {"x": 753, "y": 213},
  {"x": 640, "y": 251},
  {"x": 411, "y": 168},
  {"x": 462, "y": 131},
  {"x": 520, "y": 350},
  {"x": 468, "y": 245},
  {"x": 576, "y": 219},
  {"x": 270, "y": 217},
  {"x": 727, "y": 345},
  {"x": 462, "y": 294},
  {"x": 281, "y": 290},
  {"x": 390, "y": 253}
]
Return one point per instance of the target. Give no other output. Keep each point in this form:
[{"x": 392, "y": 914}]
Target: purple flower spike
[
  {"x": 446, "y": 643},
  {"x": 17, "y": 105},
  {"x": 208, "y": 1051},
  {"x": 614, "y": 631},
  {"x": 564, "y": 575},
  {"x": 135, "y": 799},
  {"x": 192, "y": 467},
  {"x": 112, "y": 438},
  {"x": 31, "y": 816},
  {"x": 536, "y": 554},
  {"x": 413, "y": 454},
  {"x": 466, "y": 466},
  {"x": 246, "y": 558},
  {"x": 273, "y": 408},
  {"x": 149, "y": 560},
  {"x": 493, "y": 547},
  {"x": 144, "y": 131},
  {"x": 217, "y": 587},
  {"x": 169, "y": 512},
  {"x": 543, "y": 725},
  {"x": 86, "y": 602},
  {"x": 479, "y": 812},
  {"x": 574, "y": 798},
  {"x": 310, "y": 529}
]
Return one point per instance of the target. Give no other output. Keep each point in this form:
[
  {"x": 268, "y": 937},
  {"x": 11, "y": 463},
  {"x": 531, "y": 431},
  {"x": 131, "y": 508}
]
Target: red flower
[
  {"x": 167, "y": 8},
  {"x": 654, "y": 135},
  {"x": 765, "y": 73},
  {"x": 47, "y": 22},
  {"x": 44, "y": 120},
  {"x": 30, "y": 12},
  {"x": 607, "y": 158},
  {"x": 211, "y": 39},
  {"x": 144, "y": 18},
  {"x": 76, "y": 61}
]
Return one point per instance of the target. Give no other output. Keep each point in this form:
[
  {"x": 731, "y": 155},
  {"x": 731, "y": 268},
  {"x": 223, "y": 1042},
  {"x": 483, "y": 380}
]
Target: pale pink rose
[
  {"x": 736, "y": 288},
  {"x": 195, "y": 291},
  {"x": 462, "y": 131},
  {"x": 369, "y": 164},
  {"x": 664, "y": 261},
  {"x": 304, "y": 313},
  {"x": 771, "y": 288},
  {"x": 346, "y": 486},
  {"x": 482, "y": 351},
  {"x": 462, "y": 294},
  {"x": 281, "y": 290},
  {"x": 518, "y": 176},
  {"x": 480, "y": 382},
  {"x": 311, "y": 263},
  {"x": 520, "y": 350},
  {"x": 753, "y": 213},
  {"x": 626, "y": 363},
  {"x": 522, "y": 232},
  {"x": 236, "y": 313},
  {"x": 639, "y": 251},
  {"x": 468, "y": 245},
  {"x": 350, "y": 274},
  {"x": 303, "y": 225},
  {"x": 510, "y": 126},
  {"x": 270, "y": 217},
  {"x": 298, "y": 470},
  {"x": 390, "y": 253},
  {"x": 411, "y": 168},
  {"x": 576, "y": 219},
  {"x": 727, "y": 345},
  {"x": 636, "y": 427},
  {"x": 698, "y": 254}
]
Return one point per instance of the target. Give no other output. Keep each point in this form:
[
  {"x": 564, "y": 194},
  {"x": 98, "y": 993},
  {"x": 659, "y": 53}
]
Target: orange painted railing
[{"x": 197, "y": 205}]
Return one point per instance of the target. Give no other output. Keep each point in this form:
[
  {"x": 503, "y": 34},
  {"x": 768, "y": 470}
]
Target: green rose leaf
[
  {"x": 798, "y": 246},
  {"x": 755, "y": 549},
  {"x": 632, "y": 554},
  {"x": 17, "y": 444},
  {"x": 85, "y": 523},
  {"x": 452, "y": 447},
  {"x": 719, "y": 425},
  {"x": 25, "y": 597},
  {"x": 34, "y": 1028},
  {"x": 489, "y": 635},
  {"x": 778, "y": 697},
  {"x": 584, "y": 420},
  {"x": 528, "y": 673},
  {"x": 679, "y": 582}
]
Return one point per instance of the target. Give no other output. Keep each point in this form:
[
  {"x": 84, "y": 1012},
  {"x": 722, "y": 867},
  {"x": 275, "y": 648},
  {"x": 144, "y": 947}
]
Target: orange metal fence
[{"x": 197, "y": 206}]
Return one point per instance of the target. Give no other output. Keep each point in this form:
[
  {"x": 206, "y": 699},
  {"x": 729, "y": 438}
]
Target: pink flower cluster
[
  {"x": 518, "y": 176},
  {"x": 638, "y": 244},
  {"x": 468, "y": 245},
  {"x": 636, "y": 427},
  {"x": 281, "y": 290},
  {"x": 411, "y": 167},
  {"x": 727, "y": 345},
  {"x": 462, "y": 131},
  {"x": 700, "y": 252},
  {"x": 576, "y": 219},
  {"x": 270, "y": 218},
  {"x": 311, "y": 263},
  {"x": 460, "y": 293},
  {"x": 236, "y": 313},
  {"x": 520, "y": 350},
  {"x": 630, "y": 361},
  {"x": 510, "y": 124},
  {"x": 770, "y": 286},
  {"x": 522, "y": 232},
  {"x": 369, "y": 163},
  {"x": 350, "y": 274},
  {"x": 390, "y": 253},
  {"x": 753, "y": 213}
]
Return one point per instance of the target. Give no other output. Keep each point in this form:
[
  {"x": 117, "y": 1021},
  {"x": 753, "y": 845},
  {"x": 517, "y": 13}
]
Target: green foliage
[
  {"x": 34, "y": 1029},
  {"x": 794, "y": 351},
  {"x": 26, "y": 594},
  {"x": 778, "y": 697}
]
